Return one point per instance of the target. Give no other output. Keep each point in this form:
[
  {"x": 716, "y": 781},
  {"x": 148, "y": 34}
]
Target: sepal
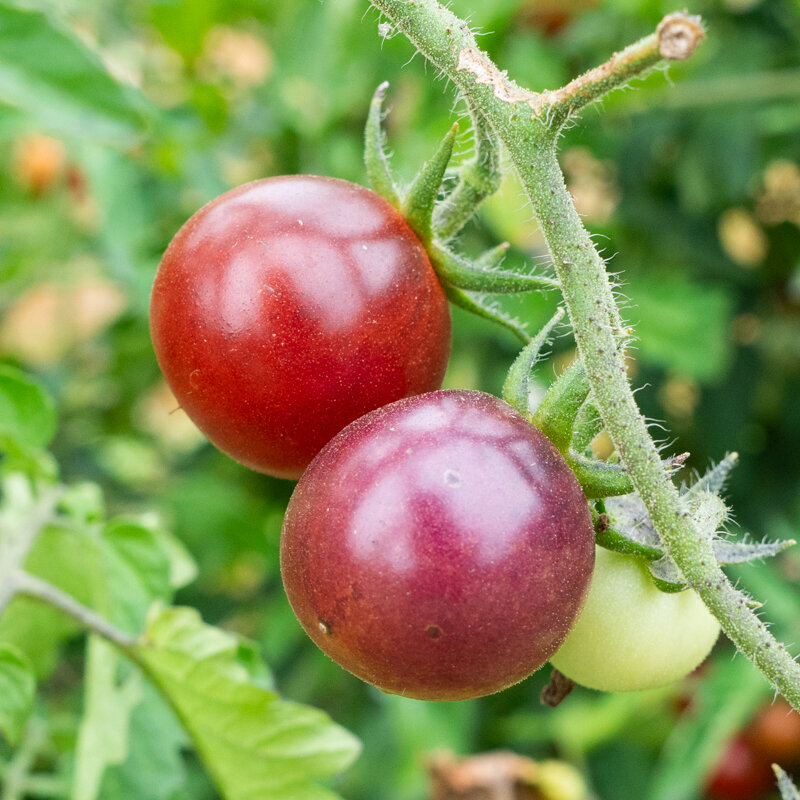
[
  {"x": 516, "y": 388},
  {"x": 599, "y": 479},
  {"x": 477, "y": 305},
  {"x": 376, "y": 159},
  {"x": 728, "y": 552},
  {"x": 587, "y": 425},
  {"x": 557, "y": 412},
  {"x": 476, "y": 180},
  {"x": 714, "y": 479},
  {"x": 419, "y": 199},
  {"x": 787, "y": 789},
  {"x": 624, "y": 526},
  {"x": 456, "y": 271}
]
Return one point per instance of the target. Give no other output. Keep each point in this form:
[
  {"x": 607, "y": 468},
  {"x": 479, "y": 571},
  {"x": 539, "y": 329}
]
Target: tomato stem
[{"x": 528, "y": 124}]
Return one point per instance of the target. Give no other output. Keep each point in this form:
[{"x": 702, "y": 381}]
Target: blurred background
[{"x": 691, "y": 182}]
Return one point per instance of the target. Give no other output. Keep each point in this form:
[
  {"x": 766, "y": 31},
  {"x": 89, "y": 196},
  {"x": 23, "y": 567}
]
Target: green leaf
[
  {"x": 722, "y": 704},
  {"x": 27, "y": 412},
  {"x": 48, "y": 72},
  {"x": 672, "y": 314},
  {"x": 17, "y": 688},
  {"x": 154, "y": 768},
  {"x": 103, "y": 735},
  {"x": 136, "y": 570},
  {"x": 69, "y": 560},
  {"x": 253, "y": 744}
]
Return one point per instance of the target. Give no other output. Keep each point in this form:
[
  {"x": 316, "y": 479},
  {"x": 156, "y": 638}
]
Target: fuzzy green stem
[
  {"x": 676, "y": 38},
  {"x": 530, "y": 140}
]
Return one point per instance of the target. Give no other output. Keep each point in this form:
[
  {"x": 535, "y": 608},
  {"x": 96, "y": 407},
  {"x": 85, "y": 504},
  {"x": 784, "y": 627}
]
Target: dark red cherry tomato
[
  {"x": 438, "y": 548},
  {"x": 287, "y": 308},
  {"x": 740, "y": 774}
]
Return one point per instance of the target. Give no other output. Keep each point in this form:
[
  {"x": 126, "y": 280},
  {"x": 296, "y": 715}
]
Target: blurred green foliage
[{"x": 118, "y": 120}]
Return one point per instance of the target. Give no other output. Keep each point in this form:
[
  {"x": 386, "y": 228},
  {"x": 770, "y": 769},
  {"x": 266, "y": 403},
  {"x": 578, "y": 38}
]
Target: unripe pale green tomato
[{"x": 632, "y": 636}]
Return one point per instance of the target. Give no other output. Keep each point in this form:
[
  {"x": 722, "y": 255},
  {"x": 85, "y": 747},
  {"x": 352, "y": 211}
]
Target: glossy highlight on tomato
[
  {"x": 439, "y": 548},
  {"x": 290, "y": 306}
]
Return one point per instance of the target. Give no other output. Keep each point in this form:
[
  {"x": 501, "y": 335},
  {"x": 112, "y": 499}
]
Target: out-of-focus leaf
[
  {"x": 136, "y": 572},
  {"x": 672, "y": 314},
  {"x": 185, "y": 23},
  {"x": 109, "y": 702},
  {"x": 723, "y": 703},
  {"x": 27, "y": 412},
  {"x": 69, "y": 560},
  {"x": 136, "y": 569},
  {"x": 50, "y": 74},
  {"x": 17, "y": 687},
  {"x": 253, "y": 744},
  {"x": 154, "y": 768}
]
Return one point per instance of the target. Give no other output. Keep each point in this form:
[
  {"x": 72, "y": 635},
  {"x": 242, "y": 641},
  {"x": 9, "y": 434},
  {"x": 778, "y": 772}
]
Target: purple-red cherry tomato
[
  {"x": 438, "y": 548},
  {"x": 287, "y": 308}
]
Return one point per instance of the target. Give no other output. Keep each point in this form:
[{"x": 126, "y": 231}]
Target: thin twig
[
  {"x": 17, "y": 542},
  {"x": 38, "y": 589}
]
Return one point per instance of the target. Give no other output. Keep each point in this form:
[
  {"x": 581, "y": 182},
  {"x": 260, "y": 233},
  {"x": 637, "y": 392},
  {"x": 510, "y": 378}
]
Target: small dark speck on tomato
[
  {"x": 434, "y": 631},
  {"x": 452, "y": 478}
]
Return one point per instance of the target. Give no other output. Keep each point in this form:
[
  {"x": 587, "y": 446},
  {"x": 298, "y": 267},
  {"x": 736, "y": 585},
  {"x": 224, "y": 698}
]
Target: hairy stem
[
  {"x": 676, "y": 38},
  {"x": 515, "y": 115}
]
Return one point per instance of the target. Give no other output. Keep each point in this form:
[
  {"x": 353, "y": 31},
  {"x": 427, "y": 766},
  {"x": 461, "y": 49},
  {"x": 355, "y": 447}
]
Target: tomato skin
[
  {"x": 740, "y": 774},
  {"x": 632, "y": 636},
  {"x": 439, "y": 547},
  {"x": 290, "y": 306}
]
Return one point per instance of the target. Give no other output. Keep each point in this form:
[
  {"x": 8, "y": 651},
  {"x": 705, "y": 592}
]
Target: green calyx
[
  {"x": 623, "y": 525},
  {"x": 436, "y": 219},
  {"x": 560, "y": 413}
]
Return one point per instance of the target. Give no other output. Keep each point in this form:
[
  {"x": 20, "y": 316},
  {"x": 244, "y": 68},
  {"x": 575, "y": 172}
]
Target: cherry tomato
[
  {"x": 741, "y": 774},
  {"x": 438, "y": 548},
  {"x": 288, "y": 307},
  {"x": 632, "y": 636}
]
